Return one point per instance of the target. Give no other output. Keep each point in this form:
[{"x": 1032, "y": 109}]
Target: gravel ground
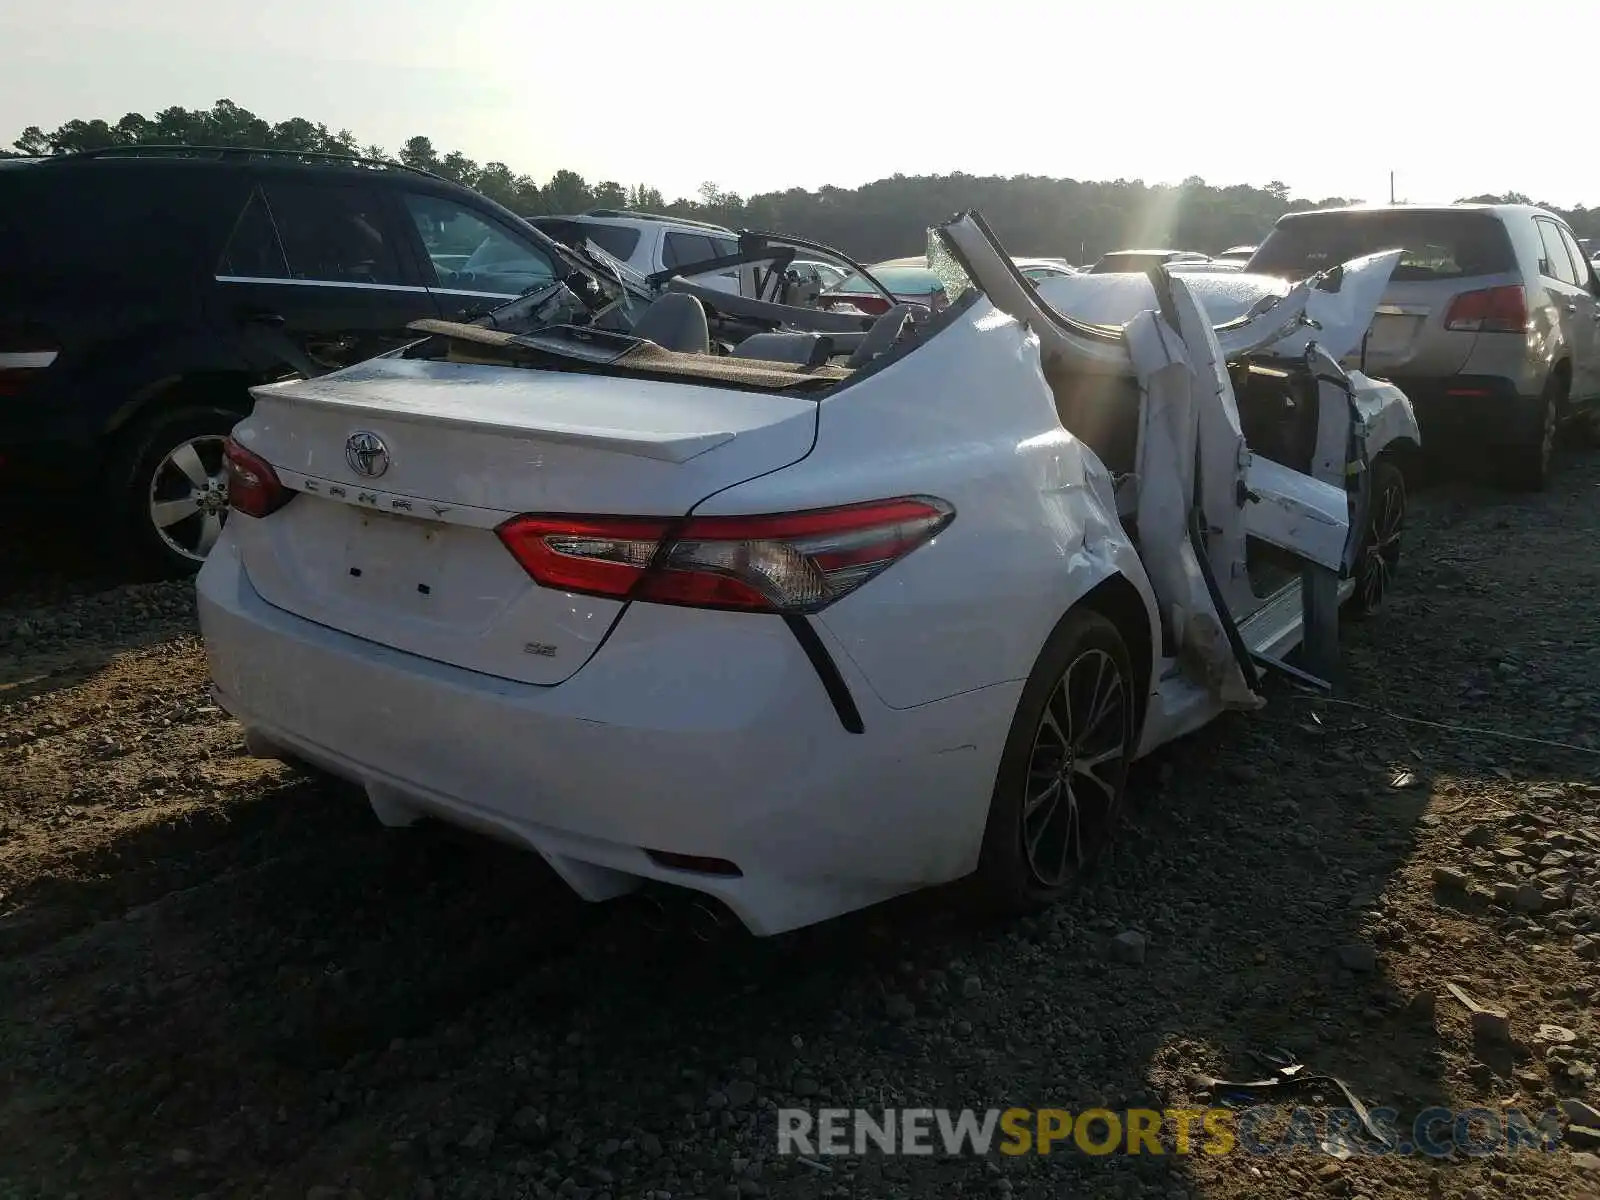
[{"x": 218, "y": 978}]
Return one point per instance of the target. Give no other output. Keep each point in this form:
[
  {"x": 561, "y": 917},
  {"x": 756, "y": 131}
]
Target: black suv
[{"x": 144, "y": 290}]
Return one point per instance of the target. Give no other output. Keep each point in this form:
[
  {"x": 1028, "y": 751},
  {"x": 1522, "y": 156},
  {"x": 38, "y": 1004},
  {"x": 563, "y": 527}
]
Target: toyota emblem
[{"x": 366, "y": 454}]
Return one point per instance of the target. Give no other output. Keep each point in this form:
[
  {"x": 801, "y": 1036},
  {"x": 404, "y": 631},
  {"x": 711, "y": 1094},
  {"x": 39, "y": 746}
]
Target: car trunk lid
[
  {"x": 405, "y": 468},
  {"x": 1446, "y": 251},
  {"x": 1409, "y": 334}
]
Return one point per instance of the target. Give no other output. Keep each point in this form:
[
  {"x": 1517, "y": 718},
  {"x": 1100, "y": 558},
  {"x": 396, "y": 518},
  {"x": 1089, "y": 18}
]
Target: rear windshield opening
[{"x": 1437, "y": 245}]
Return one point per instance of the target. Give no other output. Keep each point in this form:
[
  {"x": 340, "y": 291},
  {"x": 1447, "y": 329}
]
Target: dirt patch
[{"x": 219, "y": 977}]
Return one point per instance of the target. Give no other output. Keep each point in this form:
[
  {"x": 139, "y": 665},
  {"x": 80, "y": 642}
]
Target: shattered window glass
[{"x": 951, "y": 275}]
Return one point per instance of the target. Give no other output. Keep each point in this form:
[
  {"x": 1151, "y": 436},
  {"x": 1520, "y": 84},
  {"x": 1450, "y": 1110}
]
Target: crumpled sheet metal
[
  {"x": 1341, "y": 318},
  {"x": 1168, "y": 435},
  {"x": 1224, "y": 456},
  {"x": 1386, "y": 413}
]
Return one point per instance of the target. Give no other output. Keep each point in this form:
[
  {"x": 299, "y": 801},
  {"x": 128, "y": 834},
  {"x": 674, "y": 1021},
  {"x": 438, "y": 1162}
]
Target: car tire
[
  {"x": 1530, "y": 465},
  {"x": 1378, "y": 557},
  {"x": 1029, "y": 856},
  {"x": 165, "y": 464}
]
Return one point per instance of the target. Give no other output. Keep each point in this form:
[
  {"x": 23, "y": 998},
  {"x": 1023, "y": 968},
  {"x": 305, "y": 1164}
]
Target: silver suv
[
  {"x": 1490, "y": 324},
  {"x": 649, "y": 242}
]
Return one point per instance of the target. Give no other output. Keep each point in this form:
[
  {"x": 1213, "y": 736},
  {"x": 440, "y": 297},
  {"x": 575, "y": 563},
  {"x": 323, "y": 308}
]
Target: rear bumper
[
  {"x": 688, "y": 732},
  {"x": 1486, "y": 410}
]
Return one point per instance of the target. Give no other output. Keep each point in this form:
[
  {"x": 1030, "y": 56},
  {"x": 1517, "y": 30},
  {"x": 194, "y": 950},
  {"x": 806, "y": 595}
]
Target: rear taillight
[
  {"x": 873, "y": 306},
  {"x": 785, "y": 563},
  {"x": 1490, "y": 310},
  {"x": 26, "y": 352},
  {"x": 253, "y": 486}
]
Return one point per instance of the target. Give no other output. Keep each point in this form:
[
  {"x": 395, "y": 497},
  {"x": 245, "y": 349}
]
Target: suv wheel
[
  {"x": 1530, "y": 462},
  {"x": 168, "y": 487}
]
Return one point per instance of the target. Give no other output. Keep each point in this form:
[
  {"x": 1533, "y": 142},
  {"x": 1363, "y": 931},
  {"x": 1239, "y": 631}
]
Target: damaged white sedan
[{"x": 799, "y": 610}]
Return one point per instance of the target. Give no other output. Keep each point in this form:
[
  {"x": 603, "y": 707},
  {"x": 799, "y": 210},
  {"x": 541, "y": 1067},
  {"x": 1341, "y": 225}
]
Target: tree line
[{"x": 1032, "y": 214}]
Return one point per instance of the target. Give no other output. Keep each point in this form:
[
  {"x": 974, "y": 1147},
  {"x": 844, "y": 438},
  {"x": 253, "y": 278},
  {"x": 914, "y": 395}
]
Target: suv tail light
[
  {"x": 784, "y": 563},
  {"x": 1491, "y": 310},
  {"x": 253, "y": 486},
  {"x": 26, "y": 351}
]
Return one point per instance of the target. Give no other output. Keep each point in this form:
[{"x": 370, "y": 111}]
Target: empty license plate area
[
  {"x": 1392, "y": 333},
  {"x": 399, "y": 563}
]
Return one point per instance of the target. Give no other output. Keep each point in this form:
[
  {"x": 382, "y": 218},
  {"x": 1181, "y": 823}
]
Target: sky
[{"x": 758, "y": 96}]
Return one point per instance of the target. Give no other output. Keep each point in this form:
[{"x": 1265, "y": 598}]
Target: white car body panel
[
  {"x": 874, "y": 440},
  {"x": 637, "y": 727},
  {"x": 471, "y": 446},
  {"x": 690, "y": 733}
]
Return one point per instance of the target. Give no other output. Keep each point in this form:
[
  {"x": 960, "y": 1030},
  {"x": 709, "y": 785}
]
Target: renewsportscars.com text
[{"x": 1266, "y": 1129}]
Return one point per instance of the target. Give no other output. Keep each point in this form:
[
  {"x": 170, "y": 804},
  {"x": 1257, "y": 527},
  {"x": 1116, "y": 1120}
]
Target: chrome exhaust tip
[{"x": 652, "y": 913}]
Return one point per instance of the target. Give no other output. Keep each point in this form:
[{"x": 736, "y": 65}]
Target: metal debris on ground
[{"x": 1287, "y": 1071}]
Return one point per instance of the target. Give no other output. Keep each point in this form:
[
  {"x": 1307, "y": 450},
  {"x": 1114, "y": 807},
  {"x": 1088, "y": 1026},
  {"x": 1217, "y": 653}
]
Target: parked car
[
  {"x": 1206, "y": 266},
  {"x": 1490, "y": 323},
  {"x": 908, "y": 279},
  {"x": 1140, "y": 261},
  {"x": 912, "y": 282},
  {"x": 1040, "y": 269},
  {"x": 650, "y": 242},
  {"x": 852, "y": 610},
  {"x": 826, "y": 275},
  {"x": 144, "y": 290}
]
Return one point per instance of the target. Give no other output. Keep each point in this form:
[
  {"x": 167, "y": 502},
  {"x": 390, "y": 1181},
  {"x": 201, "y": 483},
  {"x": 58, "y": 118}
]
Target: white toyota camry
[{"x": 802, "y": 610}]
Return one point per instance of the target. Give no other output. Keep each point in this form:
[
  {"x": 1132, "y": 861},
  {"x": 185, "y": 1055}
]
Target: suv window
[
  {"x": 126, "y": 224},
  {"x": 254, "y": 250},
  {"x": 684, "y": 248},
  {"x": 1437, "y": 245},
  {"x": 1579, "y": 262},
  {"x": 1554, "y": 263},
  {"x": 619, "y": 241},
  {"x": 332, "y": 232},
  {"x": 470, "y": 252}
]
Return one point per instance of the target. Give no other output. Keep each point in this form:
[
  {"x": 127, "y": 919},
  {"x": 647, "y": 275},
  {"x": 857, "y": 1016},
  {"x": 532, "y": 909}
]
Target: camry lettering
[{"x": 399, "y": 504}]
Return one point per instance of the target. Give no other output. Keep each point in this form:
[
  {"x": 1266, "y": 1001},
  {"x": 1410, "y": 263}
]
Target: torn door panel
[
  {"x": 1168, "y": 454},
  {"x": 1223, "y": 455},
  {"x": 1199, "y": 495},
  {"x": 1295, "y": 512}
]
